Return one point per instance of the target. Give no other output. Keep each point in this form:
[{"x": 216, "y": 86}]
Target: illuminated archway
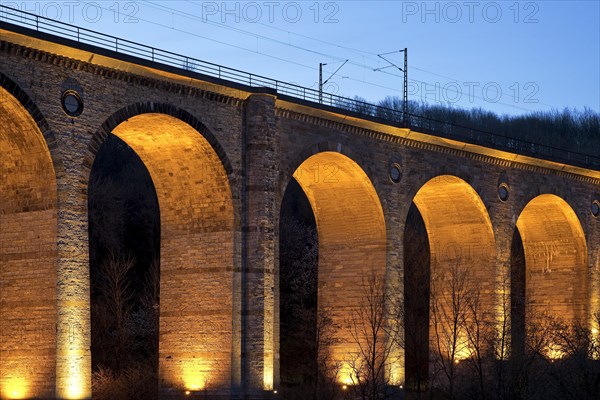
[
  {"x": 196, "y": 250},
  {"x": 28, "y": 255},
  {"x": 351, "y": 240},
  {"x": 552, "y": 279},
  {"x": 449, "y": 255},
  {"x": 124, "y": 236}
]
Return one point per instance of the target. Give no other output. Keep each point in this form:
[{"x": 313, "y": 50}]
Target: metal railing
[{"x": 9, "y": 15}]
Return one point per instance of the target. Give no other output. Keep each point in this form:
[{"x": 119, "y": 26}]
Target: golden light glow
[
  {"x": 463, "y": 354},
  {"x": 595, "y": 342},
  {"x": 195, "y": 204},
  {"x": 352, "y": 240},
  {"x": 15, "y": 388},
  {"x": 195, "y": 374},
  {"x": 461, "y": 237},
  {"x": 463, "y": 350},
  {"x": 268, "y": 378},
  {"x": 77, "y": 386},
  {"x": 28, "y": 250},
  {"x": 553, "y": 352},
  {"x": 345, "y": 375},
  {"x": 75, "y": 389},
  {"x": 396, "y": 373},
  {"x": 268, "y": 361},
  {"x": 73, "y": 356},
  {"x": 556, "y": 260},
  {"x": 458, "y": 225}
]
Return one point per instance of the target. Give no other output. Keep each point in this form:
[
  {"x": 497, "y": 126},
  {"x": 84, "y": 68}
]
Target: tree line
[{"x": 569, "y": 129}]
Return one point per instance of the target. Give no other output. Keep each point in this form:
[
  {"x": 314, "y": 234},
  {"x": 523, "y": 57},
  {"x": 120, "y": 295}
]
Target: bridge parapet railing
[
  {"x": 392, "y": 116},
  {"x": 501, "y": 142}
]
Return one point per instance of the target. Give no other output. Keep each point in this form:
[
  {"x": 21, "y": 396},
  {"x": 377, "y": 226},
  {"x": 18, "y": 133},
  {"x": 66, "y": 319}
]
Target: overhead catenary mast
[
  {"x": 321, "y": 83},
  {"x": 405, "y": 72}
]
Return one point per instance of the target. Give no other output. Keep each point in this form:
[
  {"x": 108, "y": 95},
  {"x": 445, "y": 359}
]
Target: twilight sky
[{"x": 506, "y": 56}]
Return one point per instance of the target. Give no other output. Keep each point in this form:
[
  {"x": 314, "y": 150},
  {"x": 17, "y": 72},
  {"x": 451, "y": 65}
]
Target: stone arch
[
  {"x": 448, "y": 240},
  {"x": 11, "y": 88},
  {"x": 457, "y": 221},
  {"x": 321, "y": 147},
  {"x": 446, "y": 172},
  {"x": 28, "y": 247},
  {"x": 351, "y": 237},
  {"x": 299, "y": 157},
  {"x": 147, "y": 108},
  {"x": 552, "y": 279},
  {"x": 189, "y": 171}
]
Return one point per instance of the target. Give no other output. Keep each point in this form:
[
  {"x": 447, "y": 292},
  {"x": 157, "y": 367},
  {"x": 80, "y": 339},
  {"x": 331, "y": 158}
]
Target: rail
[{"x": 65, "y": 30}]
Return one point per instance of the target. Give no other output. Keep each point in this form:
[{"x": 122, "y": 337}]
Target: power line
[
  {"x": 213, "y": 40},
  {"x": 224, "y": 26},
  {"x": 351, "y": 62},
  {"x": 246, "y": 49},
  {"x": 270, "y": 26},
  {"x": 359, "y": 51},
  {"x": 185, "y": 14},
  {"x": 300, "y": 64}
]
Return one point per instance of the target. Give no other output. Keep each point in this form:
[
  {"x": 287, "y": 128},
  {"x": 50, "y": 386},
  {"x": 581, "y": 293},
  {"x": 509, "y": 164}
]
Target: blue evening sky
[{"x": 510, "y": 57}]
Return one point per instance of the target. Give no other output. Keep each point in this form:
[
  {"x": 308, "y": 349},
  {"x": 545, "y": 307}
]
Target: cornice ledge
[{"x": 329, "y": 123}]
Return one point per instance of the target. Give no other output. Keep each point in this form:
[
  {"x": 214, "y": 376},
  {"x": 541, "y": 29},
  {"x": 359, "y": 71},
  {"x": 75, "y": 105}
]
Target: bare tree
[
  {"x": 115, "y": 286},
  {"x": 406, "y": 330},
  {"x": 370, "y": 363},
  {"x": 530, "y": 369},
  {"x": 411, "y": 310},
  {"x": 451, "y": 299},
  {"x": 307, "y": 331},
  {"x": 480, "y": 333},
  {"x": 142, "y": 323},
  {"x": 357, "y": 104},
  {"x": 575, "y": 370},
  {"x": 124, "y": 229},
  {"x": 327, "y": 369},
  {"x": 501, "y": 341}
]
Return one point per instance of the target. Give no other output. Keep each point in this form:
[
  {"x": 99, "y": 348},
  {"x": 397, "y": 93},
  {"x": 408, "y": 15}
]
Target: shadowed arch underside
[
  {"x": 28, "y": 254},
  {"x": 196, "y": 266},
  {"x": 462, "y": 258},
  {"x": 352, "y": 240},
  {"x": 556, "y": 258}
]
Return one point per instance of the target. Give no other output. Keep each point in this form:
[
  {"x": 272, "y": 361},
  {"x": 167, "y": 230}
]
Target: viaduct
[{"x": 221, "y": 146}]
